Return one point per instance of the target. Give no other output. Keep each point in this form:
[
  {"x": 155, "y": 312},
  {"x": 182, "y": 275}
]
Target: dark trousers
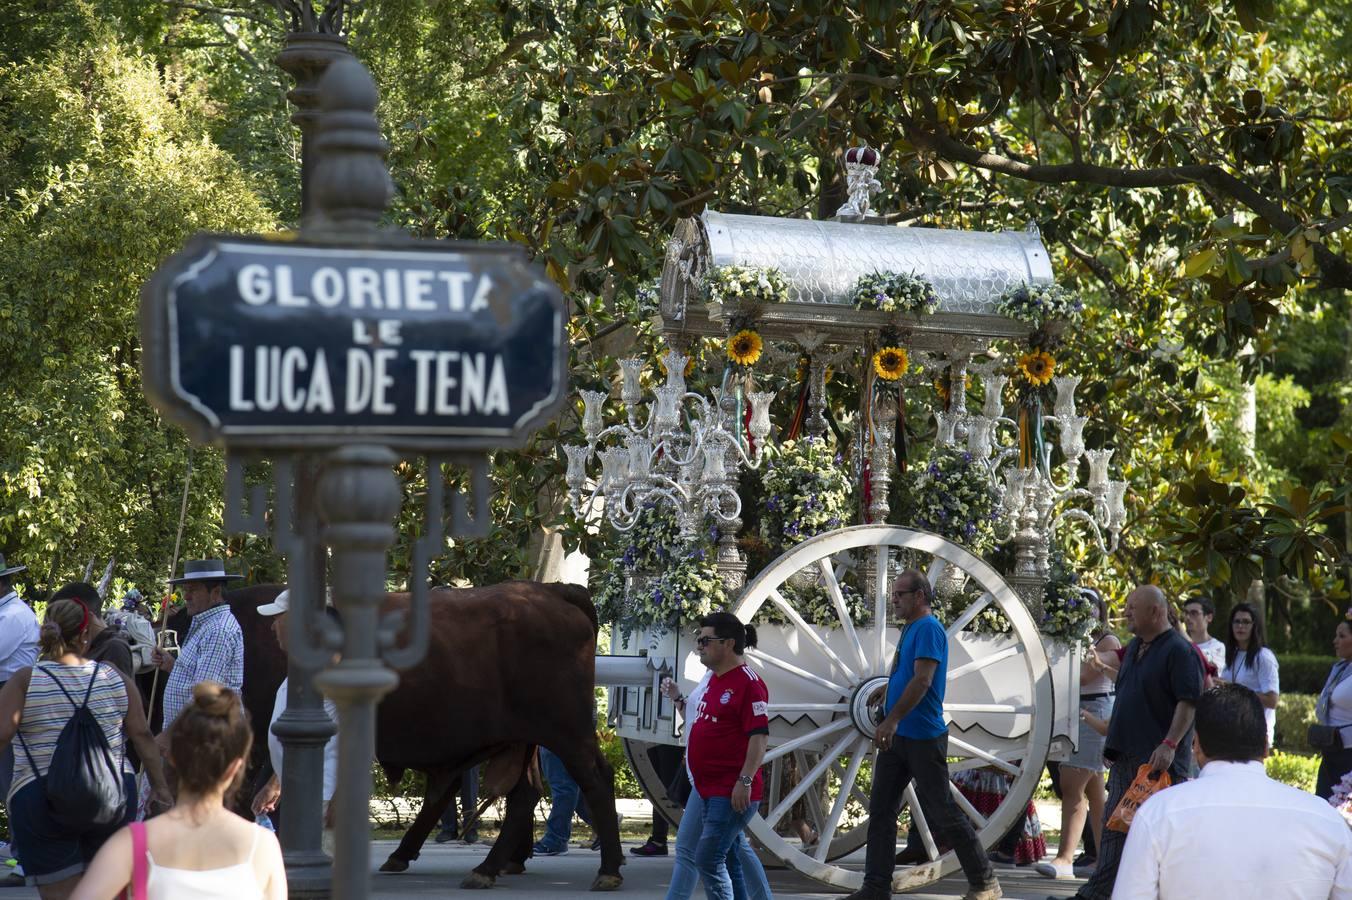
[
  {"x": 924, "y": 762},
  {"x": 1334, "y": 765},
  {"x": 469, "y": 803},
  {"x": 1100, "y": 884},
  {"x": 666, "y": 760}
]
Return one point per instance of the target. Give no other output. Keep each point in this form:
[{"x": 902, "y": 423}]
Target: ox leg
[
  {"x": 507, "y": 851},
  {"x": 441, "y": 789},
  {"x": 594, "y": 774}
]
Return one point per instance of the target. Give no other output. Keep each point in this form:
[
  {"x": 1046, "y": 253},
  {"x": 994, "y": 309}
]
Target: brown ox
[{"x": 508, "y": 667}]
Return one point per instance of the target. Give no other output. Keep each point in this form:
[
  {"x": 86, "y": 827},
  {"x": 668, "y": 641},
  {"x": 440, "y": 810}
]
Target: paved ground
[{"x": 441, "y": 867}]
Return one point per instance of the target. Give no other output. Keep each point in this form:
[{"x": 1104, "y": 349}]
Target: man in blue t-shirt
[{"x": 913, "y": 746}]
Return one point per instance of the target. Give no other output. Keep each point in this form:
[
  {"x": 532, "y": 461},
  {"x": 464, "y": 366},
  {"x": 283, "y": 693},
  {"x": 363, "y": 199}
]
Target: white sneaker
[{"x": 1054, "y": 870}]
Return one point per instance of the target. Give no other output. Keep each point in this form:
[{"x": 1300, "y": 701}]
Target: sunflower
[
  {"x": 744, "y": 347},
  {"x": 890, "y": 363},
  {"x": 1037, "y": 367}
]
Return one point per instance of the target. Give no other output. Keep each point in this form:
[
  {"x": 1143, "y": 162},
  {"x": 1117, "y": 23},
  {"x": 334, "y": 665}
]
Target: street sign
[{"x": 415, "y": 344}]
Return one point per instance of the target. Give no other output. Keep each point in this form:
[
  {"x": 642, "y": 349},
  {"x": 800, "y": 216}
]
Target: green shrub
[
  {"x": 1295, "y": 713},
  {"x": 1294, "y": 769},
  {"x": 1304, "y": 673}
]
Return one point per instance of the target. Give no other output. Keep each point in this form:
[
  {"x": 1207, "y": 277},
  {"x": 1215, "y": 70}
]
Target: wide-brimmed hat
[
  {"x": 280, "y": 604},
  {"x": 204, "y": 570},
  {"x": 11, "y": 569}
]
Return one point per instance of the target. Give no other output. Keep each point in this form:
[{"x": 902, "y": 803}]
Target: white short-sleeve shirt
[{"x": 1261, "y": 677}]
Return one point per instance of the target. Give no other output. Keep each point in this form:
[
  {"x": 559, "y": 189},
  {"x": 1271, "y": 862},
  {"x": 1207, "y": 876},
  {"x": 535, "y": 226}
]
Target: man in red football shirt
[{"x": 728, "y": 732}]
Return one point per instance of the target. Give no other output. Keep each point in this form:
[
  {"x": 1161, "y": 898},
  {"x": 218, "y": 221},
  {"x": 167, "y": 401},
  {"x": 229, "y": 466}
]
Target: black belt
[{"x": 1096, "y": 696}]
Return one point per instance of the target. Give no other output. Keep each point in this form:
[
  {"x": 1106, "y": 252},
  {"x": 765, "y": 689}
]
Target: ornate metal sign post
[{"x": 335, "y": 355}]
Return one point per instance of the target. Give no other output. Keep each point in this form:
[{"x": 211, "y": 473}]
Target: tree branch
[
  {"x": 220, "y": 11},
  {"x": 1336, "y": 271},
  {"x": 514, "y": 46},
  {"x": 1097, "y": 266}
]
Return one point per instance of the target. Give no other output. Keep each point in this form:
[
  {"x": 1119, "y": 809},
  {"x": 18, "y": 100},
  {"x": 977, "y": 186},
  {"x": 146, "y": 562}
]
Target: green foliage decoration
[
  {"x": 1038, "y": 304},
  {"x": 650, "y": 577},
  {"x": 745, "y": 286},
  {"x": 895, "y": 292},
  {"x": 806, "y": 492},
  {"x": 950, "y": 494}
]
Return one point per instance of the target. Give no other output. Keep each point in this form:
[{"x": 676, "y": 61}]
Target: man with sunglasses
[
  {"x": 912, "y": 745},
  {"x": 729, "y": 727}
]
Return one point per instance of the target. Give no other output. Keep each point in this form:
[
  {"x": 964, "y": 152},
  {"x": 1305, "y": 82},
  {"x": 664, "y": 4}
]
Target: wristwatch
[{"x": 744, "y": 779}]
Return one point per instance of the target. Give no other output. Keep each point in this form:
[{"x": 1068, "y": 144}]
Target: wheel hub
[{"x": 867, "y": 716}]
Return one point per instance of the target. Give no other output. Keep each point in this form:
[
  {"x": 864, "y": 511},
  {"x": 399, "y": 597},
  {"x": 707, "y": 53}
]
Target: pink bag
[{"x": 140, "y": 869}]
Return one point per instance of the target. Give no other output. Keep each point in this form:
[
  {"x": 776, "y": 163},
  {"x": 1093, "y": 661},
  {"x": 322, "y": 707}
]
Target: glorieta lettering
[{"x": 361, "y": 287}]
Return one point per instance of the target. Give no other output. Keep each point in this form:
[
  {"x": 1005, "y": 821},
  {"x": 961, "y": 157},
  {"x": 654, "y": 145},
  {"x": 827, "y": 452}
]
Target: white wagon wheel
[
  {"x": 844, "y": 842},
  {"x": 999, "y": 695}
]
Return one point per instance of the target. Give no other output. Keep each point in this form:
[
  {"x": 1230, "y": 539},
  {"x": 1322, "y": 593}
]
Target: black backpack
[{"x": 83, "y": 784}]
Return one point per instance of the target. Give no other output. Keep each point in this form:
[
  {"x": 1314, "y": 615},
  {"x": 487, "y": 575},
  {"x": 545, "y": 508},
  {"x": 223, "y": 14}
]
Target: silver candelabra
[
  {"x": 685, "y": 454},
  {"x": 1036, "y": 500}
]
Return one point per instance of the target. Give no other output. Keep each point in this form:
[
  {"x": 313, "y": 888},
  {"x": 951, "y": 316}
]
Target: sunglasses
[{"x": 704, "y": 641}]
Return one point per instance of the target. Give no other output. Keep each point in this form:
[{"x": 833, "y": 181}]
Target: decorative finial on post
[
  {"x": 351, "y": 184},
  {"x": 861, "y": 164}
]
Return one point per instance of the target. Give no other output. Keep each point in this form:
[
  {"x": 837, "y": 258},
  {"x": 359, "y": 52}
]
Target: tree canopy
[{"x": 1188, "y": 165}]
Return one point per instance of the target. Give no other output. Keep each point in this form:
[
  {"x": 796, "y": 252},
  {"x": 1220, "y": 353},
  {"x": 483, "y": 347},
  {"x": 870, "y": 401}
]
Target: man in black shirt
[{"x": 1157, "y": 688}]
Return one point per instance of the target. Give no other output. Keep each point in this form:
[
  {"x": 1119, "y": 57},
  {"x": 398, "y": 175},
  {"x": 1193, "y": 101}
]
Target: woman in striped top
[{"x": 35, "y": 707}]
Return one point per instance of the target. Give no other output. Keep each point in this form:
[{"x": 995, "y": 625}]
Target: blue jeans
[
  {"x": 566, "y": 799},
  {"x": 742, "y": 868}
]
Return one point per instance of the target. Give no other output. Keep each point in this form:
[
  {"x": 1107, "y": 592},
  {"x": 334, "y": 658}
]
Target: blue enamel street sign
[{"x": 422, "y": 345}]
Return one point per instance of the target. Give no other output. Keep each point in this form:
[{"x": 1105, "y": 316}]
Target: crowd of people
[
  {"x": 1175, "y": 707},
  {"x": 70, "y": 702}
]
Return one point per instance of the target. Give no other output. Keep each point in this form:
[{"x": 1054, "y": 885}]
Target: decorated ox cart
[{"x": 897, "y": 315}]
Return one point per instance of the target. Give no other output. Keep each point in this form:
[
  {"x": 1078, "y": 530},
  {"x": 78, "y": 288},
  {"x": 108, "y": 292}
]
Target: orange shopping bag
[{"x": 1142, "y": 788}]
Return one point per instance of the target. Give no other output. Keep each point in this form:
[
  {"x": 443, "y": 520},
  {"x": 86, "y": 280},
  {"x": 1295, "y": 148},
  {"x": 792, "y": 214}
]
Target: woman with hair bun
[
  {"x": 35, "y": 706},
  {"x": 198, "y": 849}
]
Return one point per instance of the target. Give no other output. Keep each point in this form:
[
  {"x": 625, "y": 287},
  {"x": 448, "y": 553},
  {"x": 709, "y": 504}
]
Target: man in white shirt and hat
[
  {"x": 18, "y": 650},
  {"x": 267, "y": 798},
  {"x": 1234, "y": 832}
]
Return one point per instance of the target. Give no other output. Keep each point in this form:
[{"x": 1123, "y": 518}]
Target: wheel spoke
[
  {"x": 812, "y": 797},
  {"x": 808, "y": 780},
  {"x": 808, "y": 631},
  {"x": 825, "y": 835},
  {"x": 804, "y": 740},
  {"x": 978, "y": 664},
  {"x": 966, "y": 806},
  {"x": 842, "y": 612},
  {"x": 789, "y": 667},
  {"x": 880, "y": 603},
  {"x": 1011, "y": 755},
  {"x": 936, "y": 570},
  {"x": 982, "y": 754},
  {"x": 776, "y": 779},
  {"x": 970, "y": 613},
  {"x": 808, "y": 707},
  {"x": 988, "y": 708},
  {"x": 918, "y": 820}
]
